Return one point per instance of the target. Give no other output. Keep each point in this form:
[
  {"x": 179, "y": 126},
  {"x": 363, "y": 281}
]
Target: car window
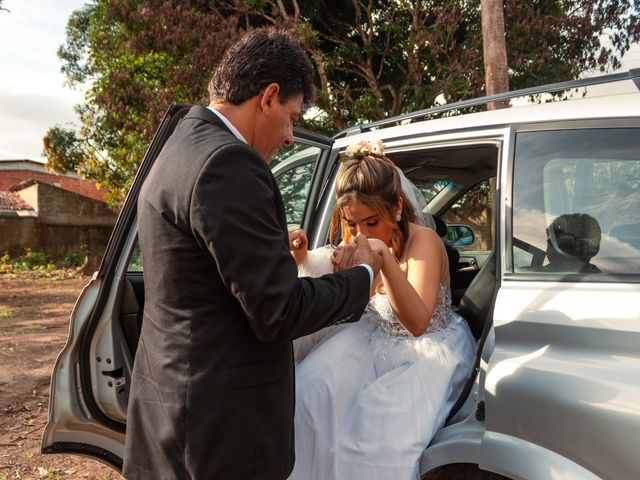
[
  {"x": 135, "y": 262},
  {"x": 576, "y": 201},
  {"x": 474, "y": 209},
  {"x": 428, "y": 187},
  {"x": 294, "y": 187},
  {"x": 293, "y": 169}
]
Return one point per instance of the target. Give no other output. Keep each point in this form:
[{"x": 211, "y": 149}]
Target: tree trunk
[{"x": 494, "y": 48}]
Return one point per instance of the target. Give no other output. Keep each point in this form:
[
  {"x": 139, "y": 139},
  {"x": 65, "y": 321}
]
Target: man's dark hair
[{"x": 261, "y": 57}]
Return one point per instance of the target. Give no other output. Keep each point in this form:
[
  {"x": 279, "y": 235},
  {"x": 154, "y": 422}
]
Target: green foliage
[
  {"x": 41, "y": 261},
  {"x": 72, "y": 259},
  {"x": 136, "y": 59},
  {"x": 373, "y": 59},
  {"x": 64, "y": 150},
  {"x": 135, "y": 263}
]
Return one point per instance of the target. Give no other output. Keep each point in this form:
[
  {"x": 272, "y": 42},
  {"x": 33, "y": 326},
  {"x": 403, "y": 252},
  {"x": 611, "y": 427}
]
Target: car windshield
[{"x": 429, "y": 187}]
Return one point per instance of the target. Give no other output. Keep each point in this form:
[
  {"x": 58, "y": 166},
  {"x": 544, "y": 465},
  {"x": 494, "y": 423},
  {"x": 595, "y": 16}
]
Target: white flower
[{"x": 365, "y": 148}]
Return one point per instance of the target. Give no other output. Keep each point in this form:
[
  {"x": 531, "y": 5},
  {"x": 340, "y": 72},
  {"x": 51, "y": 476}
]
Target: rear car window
[{"x": 576, "y": 201}]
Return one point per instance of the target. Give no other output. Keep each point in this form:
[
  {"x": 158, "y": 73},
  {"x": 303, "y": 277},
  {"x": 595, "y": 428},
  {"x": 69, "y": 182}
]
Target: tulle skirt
[{"x": 368, "y": 403}]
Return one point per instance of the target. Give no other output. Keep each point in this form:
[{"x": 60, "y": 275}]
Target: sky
[{"x": 33, "y": 96}]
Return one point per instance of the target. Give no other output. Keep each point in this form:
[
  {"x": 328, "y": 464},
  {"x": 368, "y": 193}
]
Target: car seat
[
  {"x": 452, "y": 252},
  {"x": 475, "y": 304},
  {"x": 572, "y": 240}
]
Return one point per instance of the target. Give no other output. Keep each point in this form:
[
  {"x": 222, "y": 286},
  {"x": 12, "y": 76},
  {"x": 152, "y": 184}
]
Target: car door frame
[
  {"x": 459, "y": 441},
  {"x": 516, "y": 455}
]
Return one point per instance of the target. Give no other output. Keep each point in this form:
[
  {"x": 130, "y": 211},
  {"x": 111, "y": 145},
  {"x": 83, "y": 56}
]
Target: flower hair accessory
[{"x": 363, "y": 149}]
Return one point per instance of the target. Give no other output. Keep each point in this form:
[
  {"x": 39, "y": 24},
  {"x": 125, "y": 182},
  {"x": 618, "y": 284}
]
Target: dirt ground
[{"x": 34, "y": 317}]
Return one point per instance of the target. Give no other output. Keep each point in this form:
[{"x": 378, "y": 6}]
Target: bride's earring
[{"x": 398, "y": 217}]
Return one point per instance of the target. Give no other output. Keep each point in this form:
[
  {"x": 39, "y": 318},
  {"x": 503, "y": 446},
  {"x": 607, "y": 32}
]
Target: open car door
[{"x": 91, "y": 377}]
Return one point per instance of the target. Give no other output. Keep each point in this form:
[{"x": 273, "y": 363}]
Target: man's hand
[
  {"x": 364, "y": 254},
  {"x": 356, "y": 253},
  {"x": 298, "y": 244}
]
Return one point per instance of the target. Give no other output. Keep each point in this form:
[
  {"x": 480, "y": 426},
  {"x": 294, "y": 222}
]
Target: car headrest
[{"x": 575, "y": 235}]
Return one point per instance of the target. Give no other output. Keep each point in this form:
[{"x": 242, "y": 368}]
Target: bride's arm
[{"x": 413, "y": 296}]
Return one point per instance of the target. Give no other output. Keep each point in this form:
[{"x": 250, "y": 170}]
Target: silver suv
[{"x": 542, "y": 204}]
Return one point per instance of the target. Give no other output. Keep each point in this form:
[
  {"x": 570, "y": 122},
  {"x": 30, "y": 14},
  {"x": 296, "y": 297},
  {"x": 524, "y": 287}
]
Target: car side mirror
[{"x": 459, "y": 236}]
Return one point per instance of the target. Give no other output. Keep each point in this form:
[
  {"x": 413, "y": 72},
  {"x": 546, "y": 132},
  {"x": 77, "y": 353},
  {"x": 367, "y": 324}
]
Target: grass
[
  {"x": 53, "y": 474},
  {"x": 5, "y": 314},
  {"x": 29, "y": 453}
]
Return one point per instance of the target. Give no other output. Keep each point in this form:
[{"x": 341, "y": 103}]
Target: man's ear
[{"x": 269, "y": 95}]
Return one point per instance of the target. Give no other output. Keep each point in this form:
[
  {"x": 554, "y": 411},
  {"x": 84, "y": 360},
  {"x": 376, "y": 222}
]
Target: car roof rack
[{"x": 633, "y": 74}]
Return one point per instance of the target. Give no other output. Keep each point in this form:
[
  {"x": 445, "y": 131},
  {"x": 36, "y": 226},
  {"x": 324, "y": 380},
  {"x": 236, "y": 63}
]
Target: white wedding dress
[{"x": 369, "y": 396}]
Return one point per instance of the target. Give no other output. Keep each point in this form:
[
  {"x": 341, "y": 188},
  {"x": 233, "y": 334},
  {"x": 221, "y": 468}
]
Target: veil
[{"x": 417, "y": 201}]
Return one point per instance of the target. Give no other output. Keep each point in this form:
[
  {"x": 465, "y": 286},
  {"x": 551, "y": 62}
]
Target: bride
[{"x": 371, "y": 395}]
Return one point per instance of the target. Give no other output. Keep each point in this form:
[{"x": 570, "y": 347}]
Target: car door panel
[
  {"x": 564, "y": 353},
  {"x": 131, "y": 308},
  {"x": 564, "y": 373},
  {"x": 469, "y": 265}
]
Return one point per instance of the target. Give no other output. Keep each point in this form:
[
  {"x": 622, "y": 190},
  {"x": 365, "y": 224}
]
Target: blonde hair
[{"x": 374, "y": 181}]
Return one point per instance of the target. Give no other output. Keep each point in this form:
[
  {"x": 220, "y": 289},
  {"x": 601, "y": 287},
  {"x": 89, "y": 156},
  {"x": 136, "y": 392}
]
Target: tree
[
  {"x": 373, "y": 59},
  {"x": 494, "y": 48},
  {"x": 137, "y": 57}
]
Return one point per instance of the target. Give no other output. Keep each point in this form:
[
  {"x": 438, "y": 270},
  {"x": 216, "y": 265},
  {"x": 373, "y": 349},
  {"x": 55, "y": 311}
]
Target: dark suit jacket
[{"x": 212, "y": 394}]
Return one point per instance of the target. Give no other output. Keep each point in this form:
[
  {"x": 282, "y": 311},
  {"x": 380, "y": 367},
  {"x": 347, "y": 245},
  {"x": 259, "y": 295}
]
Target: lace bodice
[{"x": 380, "y": 306}]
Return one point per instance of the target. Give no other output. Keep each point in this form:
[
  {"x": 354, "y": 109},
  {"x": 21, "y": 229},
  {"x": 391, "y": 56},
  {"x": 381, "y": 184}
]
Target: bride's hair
[{"x": 373, "y": 180}]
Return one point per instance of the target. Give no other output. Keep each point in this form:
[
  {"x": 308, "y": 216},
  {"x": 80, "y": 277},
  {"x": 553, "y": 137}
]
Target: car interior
[
  {"x": 474, "y": 281},
  {"x": 447, "y": 177}
]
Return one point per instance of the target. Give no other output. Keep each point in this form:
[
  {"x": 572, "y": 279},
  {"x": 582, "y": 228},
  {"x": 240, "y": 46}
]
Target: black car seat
[
  {"x": 572, "y": 240},
  {"x": 475, "y": 304},
  {"x": 452, "y": 252}
]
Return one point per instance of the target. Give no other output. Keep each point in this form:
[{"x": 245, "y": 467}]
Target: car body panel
[
  {"x": 592, "y": 108},
  {"x": 521, "y": 460},
  {"x": 70, "y": 425},
  {"x": 565, "y": 371}
]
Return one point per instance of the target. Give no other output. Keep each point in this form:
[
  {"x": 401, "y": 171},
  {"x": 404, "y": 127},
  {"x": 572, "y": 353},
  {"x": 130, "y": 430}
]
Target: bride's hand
[
  {"x": 378, "y": 246},
  {"x": 298, "y": 244}
]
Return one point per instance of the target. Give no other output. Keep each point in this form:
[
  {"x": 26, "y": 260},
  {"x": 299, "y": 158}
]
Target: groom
[{"x": 212, "y": 392}]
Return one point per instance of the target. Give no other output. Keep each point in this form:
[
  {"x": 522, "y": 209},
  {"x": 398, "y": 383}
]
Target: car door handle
[{"x": 468, "y": 266}]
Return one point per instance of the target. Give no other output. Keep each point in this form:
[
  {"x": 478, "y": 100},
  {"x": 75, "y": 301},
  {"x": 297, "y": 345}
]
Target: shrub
[
  {"x": 40, "y": 261},
  {"x": 34, "y": 260},
  {"x": 72, "y": 259}
]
